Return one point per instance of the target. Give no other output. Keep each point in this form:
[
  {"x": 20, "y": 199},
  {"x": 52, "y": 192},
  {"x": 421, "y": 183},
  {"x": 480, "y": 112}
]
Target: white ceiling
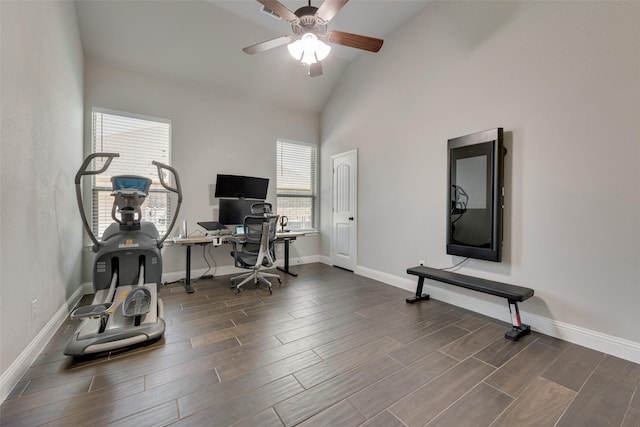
[{"x": 200, "y": 43}]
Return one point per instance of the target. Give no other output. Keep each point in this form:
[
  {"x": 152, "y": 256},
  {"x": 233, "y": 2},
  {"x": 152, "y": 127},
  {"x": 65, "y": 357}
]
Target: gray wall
[
  {"x": 563, "y": 79},
  {"x": 212, "y": 133},
  {"x": 41, "y": 142}
]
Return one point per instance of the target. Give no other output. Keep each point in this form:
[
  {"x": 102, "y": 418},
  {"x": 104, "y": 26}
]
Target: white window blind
[
  {"x": 297, "y": 184},
  {"x": 139, "y": 141}
]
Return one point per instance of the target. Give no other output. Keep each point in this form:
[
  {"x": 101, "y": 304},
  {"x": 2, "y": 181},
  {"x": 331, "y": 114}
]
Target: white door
[{"x": 344, "y": 236}]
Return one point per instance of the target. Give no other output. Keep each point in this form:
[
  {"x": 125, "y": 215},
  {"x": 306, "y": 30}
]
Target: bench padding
[{"x": 504, "y": 290}]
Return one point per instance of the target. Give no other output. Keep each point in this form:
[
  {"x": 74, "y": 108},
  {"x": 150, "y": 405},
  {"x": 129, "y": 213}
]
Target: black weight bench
[{"x": 514, "y": 294}]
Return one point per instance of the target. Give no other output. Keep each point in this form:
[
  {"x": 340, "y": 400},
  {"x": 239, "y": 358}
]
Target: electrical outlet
[
  {"x": 421, "y": 262},
  {"x": 34, "y": 309}
]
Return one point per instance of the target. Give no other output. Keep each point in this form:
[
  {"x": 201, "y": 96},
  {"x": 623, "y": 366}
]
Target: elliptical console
[{"x": 126, "y": 307}]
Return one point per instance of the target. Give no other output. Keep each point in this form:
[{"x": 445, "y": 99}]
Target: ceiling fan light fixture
[{"x": 308, "y": 49}]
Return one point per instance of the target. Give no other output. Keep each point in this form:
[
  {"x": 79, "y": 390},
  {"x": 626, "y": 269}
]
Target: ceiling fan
[{"x": 309, "y": 25}]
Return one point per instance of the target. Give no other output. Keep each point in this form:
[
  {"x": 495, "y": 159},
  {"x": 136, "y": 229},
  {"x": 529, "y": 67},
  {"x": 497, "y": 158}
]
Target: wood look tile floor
[{"x": 328, "y": 348}]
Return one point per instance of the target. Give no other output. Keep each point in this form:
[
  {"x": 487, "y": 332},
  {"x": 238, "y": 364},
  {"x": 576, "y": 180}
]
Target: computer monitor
[
  {"x": 233, "y": 211},
  {"x": 242, "y": 187}
]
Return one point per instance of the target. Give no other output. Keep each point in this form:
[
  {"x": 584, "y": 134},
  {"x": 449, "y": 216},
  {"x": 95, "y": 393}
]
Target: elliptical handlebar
[
  {"x": 82, "y": 172},
  {"x": 83, "y": 169},
  {"x": 109, "y": 157},
  {"x": 177, "y": 189}
]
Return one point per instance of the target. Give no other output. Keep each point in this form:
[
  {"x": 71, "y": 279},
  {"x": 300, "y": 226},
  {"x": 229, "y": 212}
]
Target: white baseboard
[
  {"x": 300, "y": 260},
  {"x": 609, "y": 344},
  {"x": 11, "y": 377},
  {"x": 174, "y": 276},
  {"x": 230, "y": 269}
]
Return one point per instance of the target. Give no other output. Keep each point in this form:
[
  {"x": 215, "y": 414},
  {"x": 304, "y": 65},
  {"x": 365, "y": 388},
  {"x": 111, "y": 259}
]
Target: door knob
[{"x": 350, "y": 218}]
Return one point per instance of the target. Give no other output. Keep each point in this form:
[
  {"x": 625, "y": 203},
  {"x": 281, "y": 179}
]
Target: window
[
  {"x": 139, "y": 140},
  {"x": 296, "y": 184}
]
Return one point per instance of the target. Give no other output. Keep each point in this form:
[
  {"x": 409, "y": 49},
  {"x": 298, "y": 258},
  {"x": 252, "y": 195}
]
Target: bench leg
[
  {"x": 519, "y": 329},
  {"x": 419, "y": 295}
]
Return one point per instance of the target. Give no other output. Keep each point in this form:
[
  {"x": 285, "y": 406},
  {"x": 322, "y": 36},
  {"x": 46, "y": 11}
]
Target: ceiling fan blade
[
  {"x": 315, "y": 69},
  {"x": 329, "y": 9},
  {"x": 280, "y": 9},
  {"x": 266, "y": 45},
  {"x": 354, "y": 40}
]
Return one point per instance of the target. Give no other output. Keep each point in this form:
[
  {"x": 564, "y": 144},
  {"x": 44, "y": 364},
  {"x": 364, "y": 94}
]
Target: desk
[
  {"x": 188, "y": 242},
  {"x": 287, "y": 237}
]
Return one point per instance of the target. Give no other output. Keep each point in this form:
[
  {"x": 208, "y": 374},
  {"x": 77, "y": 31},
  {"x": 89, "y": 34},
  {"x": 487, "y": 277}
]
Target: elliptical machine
[{"x": 127, "y": 273}]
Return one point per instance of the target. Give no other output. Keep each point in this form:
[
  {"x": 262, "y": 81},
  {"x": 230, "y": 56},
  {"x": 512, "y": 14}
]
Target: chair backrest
[
  {"x": 264, "y": 208},
  {"x": 253, "y": 228},
  {"x": 273, "y": 226},
  {"x": 259, "y": 227},
  {"x": 257, "y": 249}
]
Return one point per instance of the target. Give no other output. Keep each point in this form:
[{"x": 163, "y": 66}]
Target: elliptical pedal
[{"x": 136, "y": 304}]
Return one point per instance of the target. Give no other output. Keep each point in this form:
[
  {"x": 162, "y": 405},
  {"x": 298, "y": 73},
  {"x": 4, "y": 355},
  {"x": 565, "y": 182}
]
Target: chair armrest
[{"x": 236, "y": 240}]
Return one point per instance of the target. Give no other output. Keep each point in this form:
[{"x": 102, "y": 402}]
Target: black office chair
[{"x": 255, "y": 249}]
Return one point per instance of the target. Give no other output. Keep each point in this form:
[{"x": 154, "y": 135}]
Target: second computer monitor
[{"x": 233, "y": 211}]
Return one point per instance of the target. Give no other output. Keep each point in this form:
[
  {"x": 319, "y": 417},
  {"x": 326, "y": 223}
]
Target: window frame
[
  {"x": 315, "y": 209},
  {"x": 95, "y": 189}
]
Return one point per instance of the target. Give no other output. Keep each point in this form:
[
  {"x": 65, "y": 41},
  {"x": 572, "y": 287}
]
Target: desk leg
[
  {"x": 187, "y": 281},
  {"x": 286, "y": 259}
]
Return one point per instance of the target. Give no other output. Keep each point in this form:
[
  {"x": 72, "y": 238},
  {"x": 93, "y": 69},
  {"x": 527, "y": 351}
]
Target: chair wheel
[
  {"x": 270, "y": 291},
  {"x": 279, "y": 281},
  {"x": 238, "y": 291}
]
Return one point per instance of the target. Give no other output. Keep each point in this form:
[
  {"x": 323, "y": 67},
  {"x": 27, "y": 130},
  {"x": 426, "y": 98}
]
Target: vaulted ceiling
[{"x": 199, "y": 43}]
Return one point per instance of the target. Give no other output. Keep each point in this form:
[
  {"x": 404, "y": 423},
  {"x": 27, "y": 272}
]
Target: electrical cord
[
  {"x": 204, "y": 255},
  {"x": 215, "y": 265},
  {"x": 455, "y": 266}
]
